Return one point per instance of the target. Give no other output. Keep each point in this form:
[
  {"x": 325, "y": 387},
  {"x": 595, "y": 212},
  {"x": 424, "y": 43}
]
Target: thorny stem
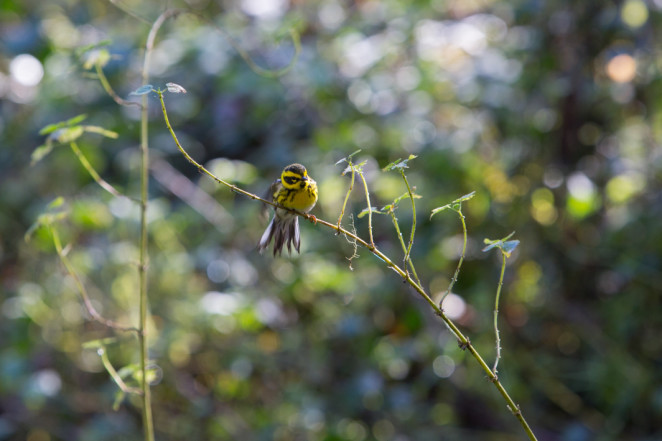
[
  {"x": 367, "y": 198},
  {"x": 148, "y": 422},
  {"x": 459, "y": 263},
  {"x": 81, "y": 287},
  {"x": 463, "y": 341},
  {"x": 351, "y": 187},
  {"x": 496, "y": 314},
  {"x": 109, "y": 90},
  {"x": 402, "y": 243},
  {"x": 413, "y": 222}
]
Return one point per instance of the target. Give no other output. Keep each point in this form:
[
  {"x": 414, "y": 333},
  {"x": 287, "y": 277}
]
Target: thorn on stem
[{"x": 464, "y": 344}]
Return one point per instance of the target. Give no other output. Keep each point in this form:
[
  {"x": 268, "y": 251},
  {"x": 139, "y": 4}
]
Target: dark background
[{"x": 550, "y": 111}]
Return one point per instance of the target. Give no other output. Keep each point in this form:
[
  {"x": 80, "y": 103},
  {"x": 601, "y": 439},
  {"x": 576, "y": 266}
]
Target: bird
[{"x": 295, "y": 190}]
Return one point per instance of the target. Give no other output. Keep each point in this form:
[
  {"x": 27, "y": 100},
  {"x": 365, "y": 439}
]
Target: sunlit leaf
[
  {"x": 366, "y": 211},
  {"x": 129, "y": 370},
  {"x": 456, "y": 205},
  {"x": 41, "y": 152},
  {"x": 175, "y": 88},
  {"x": 81, "y": 50},
  {"x": 56, "y": 203},
  {"x": 506, "y": 246},
  {"x": 143, "y": 90},
  {"x": 53, "y": 213},
  {"x": 101, "y": 131},
  {"x": 68, "y": 123},
  {"x": 99, "y": 343},
  {"x": 509, "y": 246},
  {"x": 399, "y": 163},
  {"x": 348, "y": 157},
  {"x": 99, "y": 57},
  {"x": 68, "y": 134}
]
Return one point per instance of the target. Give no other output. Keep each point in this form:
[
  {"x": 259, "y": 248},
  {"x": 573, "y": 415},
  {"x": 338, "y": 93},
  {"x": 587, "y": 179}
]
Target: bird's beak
[{"x": 305, "y": 178}]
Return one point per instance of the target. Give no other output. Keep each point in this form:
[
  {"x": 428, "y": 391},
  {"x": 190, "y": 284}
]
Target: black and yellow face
[{"x": 294, "y": 176}]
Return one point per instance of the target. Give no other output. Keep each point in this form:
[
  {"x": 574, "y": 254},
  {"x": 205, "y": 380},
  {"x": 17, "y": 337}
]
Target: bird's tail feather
[{"x": 283, "y": 231}]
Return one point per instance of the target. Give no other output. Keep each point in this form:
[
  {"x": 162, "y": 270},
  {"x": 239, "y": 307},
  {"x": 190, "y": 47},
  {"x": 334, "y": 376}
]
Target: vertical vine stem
[
  {"x": 496, "y": 314},
  {"x": 148, "y": 422},
  {"x": 459, "y": 263},
  {"x": 367, "y": 198},
  {"x": 462, "y": 340},
  {"x": 413, "y": 217},
  {"x": 351, "y": 187}
]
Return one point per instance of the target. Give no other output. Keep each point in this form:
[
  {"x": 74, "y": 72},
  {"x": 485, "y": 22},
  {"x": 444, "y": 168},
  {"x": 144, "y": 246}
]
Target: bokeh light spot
[
  {"x": 622, "y": 68},
  {"x": 454, "y": 306},
  {"x": 634, "y": 13},
  {"x": 26, "y": 70}
]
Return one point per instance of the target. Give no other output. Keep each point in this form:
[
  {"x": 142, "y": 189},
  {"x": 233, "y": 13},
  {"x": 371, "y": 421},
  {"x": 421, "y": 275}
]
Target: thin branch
[
  {"x": 81, "y": 287},
  {"x": 402, "y": 244},
  {"x": 148, "y": 422},
  {"x": 351, "y": 187},
  {"x": 109, "y": 90},
  {"x": 93, "y": 173},
  {"x": 413, "y": 210},
  {"x": 367, "y": 198},
  {"x": 496, "y": 314},
  {"x": 115, "y": 375},
  {"x": 459, "y": 263}
]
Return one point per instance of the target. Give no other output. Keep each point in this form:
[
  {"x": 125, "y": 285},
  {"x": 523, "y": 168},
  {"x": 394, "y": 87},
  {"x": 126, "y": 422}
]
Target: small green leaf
[
  {"x": 509, "y": 246},
  {"x": 175, "y": 88},
  {"x": 68, "y": 123},
  {"x": 456, "y": 205},
  {"x": 506, "y": 246},
  {"x": 50, "y": 128},
  {"x": 119, "y": 397},
  {"x": 466, "y": 197},
  {"x": 75, "y": 120},
  {"x": 99, "y": 57},
  {"x": 56, "y": 203},
  {"x": 130, "y": 370},
  {"x": 53, "y": 213},
  {"x": 143, "y": 90},
  {"x": 41, "y": 152},
  {"x": 99, "y": 343},
  {"x": 348, "y": 158},
  {"x": 440, "y": 209},
  {"x": 81, "y": 50},
  {"x": 68, "y": 134},
  {"x": 399, "y": 164},
  {"x": 101, "y": 131},
  {"x": 366, "y": 211}
]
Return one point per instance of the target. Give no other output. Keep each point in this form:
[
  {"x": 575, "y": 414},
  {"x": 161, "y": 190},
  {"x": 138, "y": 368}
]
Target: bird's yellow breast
[{"x": 302, "y": 198}]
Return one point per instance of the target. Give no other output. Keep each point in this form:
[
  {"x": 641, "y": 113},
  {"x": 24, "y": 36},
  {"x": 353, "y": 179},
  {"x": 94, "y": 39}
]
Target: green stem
[
  {"x": 459, "y": 263},
  {"x": 402, "y": 244},
  {"x": 496, "y": 314},
  {"x": 413, "y": 211},
  {"x": 367, "y": 198},
  {"x": 109, "y": 90},
  {"x": 351, "y": 187},
  {"x": 81, "y": 286},
  {"x": 148, "y": 421},
  {"x": 98, "y": 179}
]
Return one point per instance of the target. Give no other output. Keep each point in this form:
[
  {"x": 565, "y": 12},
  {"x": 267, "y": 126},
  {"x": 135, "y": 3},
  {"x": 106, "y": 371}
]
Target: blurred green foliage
[{"x": 550, "y": 111}]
